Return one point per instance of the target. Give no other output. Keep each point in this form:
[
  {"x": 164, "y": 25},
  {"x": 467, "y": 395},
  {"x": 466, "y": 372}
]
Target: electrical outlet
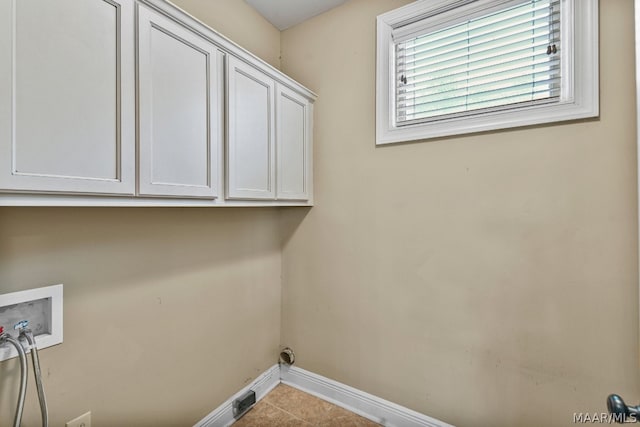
[{"x": 83, "y": 420}]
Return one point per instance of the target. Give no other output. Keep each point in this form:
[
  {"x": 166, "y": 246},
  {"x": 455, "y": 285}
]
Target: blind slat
[
  {"x": 442, "y": 34},
  {"x": 404, "y": 50},
  {"x": 503, "y": 58},
  {"x": 496, "y": 84},
  {"x": 521, "y": 89},
  {"x": 487, "y": 72},
  {"x": 496, "y": 65},
  {"x": 533, "y": 50},
  {"x": 409, "y": 62}
]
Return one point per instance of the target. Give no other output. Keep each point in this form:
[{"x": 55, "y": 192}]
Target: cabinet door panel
[
  {"x": 292, "y": 148},
  {"x": 251, "y": 133},
  {"x": 179, "y": 109},
  {"x": 67, "y": 96}
]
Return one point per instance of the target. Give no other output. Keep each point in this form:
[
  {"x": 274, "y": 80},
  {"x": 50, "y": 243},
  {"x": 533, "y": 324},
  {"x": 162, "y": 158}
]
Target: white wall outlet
[
  {"x": 41, "y": 307},
  {"x": 83, "y": 420}
]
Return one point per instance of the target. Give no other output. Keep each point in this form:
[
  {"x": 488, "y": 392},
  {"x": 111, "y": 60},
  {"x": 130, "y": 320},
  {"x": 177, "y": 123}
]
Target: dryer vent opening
[{"x": 287, "y": 356}]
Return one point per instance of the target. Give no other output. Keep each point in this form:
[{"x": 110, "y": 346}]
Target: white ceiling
[{"x": 287, "y": 13}]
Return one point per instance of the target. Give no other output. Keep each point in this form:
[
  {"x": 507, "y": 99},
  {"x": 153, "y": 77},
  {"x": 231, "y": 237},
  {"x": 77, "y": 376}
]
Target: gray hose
[
  {"x": 36, "y": 369},
  {"x": 23, "y": 377}
]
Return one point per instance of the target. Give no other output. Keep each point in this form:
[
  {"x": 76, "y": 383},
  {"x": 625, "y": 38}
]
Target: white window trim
[{"x": 580, "y": 99}]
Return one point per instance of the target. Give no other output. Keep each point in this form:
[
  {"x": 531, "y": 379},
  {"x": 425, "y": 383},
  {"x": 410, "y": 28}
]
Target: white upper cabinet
[
  {"x": 67, "y": 96},
  {"x": 268, "y": 137},
  {"x": 251, "y": 171},
  {"x": 293, "y": 144},
  {"x": 139, "y": 101},
  {"x": 180, "y": 97}
]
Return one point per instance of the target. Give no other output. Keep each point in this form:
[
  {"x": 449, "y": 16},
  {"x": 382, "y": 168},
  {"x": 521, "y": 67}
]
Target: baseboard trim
[
  {"x": 222, "y": 416},
  {"x": 364, "y": 404}
]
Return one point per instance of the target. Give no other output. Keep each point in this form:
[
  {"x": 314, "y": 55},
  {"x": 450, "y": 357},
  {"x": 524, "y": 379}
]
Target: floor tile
[
  {"x": 265, "y": 415},
  {"x": 289, "y": 407},
  {"x": 303, "y": 405}
]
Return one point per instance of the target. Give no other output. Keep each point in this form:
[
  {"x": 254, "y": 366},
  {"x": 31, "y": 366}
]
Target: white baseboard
[
  {"x": 222, "y": 416},
  {"x": 364, "y": 404}
]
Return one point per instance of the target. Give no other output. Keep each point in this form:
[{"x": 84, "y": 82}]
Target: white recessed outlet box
[{"x": 41, "y": 307}]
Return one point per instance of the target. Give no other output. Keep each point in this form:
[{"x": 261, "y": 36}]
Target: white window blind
[{"x": 494, "y": 61}]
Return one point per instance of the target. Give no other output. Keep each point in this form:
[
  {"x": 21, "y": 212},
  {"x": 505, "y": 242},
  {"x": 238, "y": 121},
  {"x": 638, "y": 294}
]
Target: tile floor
[{"x": 286, "y": 406}]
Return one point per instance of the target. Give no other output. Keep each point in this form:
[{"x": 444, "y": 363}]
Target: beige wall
[
  {"x": 167, "y": 312},
  {"x": 253, "y": 32},
  {"x": 486, "y": 280}
]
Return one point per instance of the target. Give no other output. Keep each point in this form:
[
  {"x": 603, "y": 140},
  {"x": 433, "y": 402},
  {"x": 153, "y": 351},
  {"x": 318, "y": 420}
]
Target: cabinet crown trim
[{"x": 227, "y": 45}]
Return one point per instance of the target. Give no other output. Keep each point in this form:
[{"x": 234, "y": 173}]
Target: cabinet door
[
  {"x": 251, "y": 133},
  {"x": 67, "y": 96},
  {"x": 180, "y": 94},
  {"x": 293, "y": 136}
]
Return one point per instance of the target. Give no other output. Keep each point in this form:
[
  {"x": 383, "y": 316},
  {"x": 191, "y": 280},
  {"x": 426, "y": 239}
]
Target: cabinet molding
[
  {"x": 293, "y": 144},
  {"x": 68, "y": 66},
  {"x": 227, "y": 46},
  {"x": 251, "y": 172},
  {"x": 179, "y": 103}
]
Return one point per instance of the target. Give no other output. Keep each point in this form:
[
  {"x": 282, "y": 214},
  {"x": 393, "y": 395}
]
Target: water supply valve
[{"x": 23, "y": 324}]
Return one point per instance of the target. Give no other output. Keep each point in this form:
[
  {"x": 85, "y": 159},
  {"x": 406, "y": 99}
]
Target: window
[{"x": 448, "y": 68}]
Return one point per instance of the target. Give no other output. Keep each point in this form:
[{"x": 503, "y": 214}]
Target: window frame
[{"x": 579, "y": 97}]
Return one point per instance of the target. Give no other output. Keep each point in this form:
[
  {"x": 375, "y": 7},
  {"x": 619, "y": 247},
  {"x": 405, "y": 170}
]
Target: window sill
[{"x": 535, "y": 115}]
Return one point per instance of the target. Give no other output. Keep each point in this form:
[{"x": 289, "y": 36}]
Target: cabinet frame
[
  {"x": 307, "y": 147},
  {"x": 11, "y": 179},
  {"x": 148, "y": 21},
  {"x": 237, "y": 67}
]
